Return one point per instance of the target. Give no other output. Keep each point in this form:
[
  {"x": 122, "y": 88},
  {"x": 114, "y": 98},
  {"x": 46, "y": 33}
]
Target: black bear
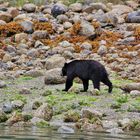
[{"x": 86, "y": 70}]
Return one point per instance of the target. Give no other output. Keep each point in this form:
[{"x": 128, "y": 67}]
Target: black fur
[{"x": 86, "y": 70}]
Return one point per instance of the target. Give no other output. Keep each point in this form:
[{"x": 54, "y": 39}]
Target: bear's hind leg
[
  {"x": 85, "y": 85},
  {"x": 69, "y": 83},
  {"x": 107, "y": 82},
  {"x": 96, "y": 83}
]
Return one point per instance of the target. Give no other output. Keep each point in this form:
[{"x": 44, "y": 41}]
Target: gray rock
[
  {"x": 45, "y": 112},
  {"x": 109, "y": 124},
  {"x": 76, "y": 7},
  {"x": 25, "y": 91},
  {"x": 21, "y": 17},
  {"x": 27, "y": 26},
  {"x": 132, "y": 4},
  {"x": 126, "y": 40},
  {"x": 38, "y": 44},
  {"x": 5, "y": 16},
  {"x": 33, "y": 53},
  {"x": 36, "y": 120},
  {"x": 53, "y": 76},
  {"x": 36, "y": 104},
  {"x": 2, "y": 22},
  {"x": 15, "y": 117},
  {"x": 115, "y": 130},
  {"x": 102, "y": 50},
  {"x": 34, "y": 73},
  {"x": 62, "y": 18},
  {"x": 119, "y": 10},
  {"x": 124, "y": 122},
  {"x": 67, "y": 25},
  {"x": 58, "y": 9},
  {"x": 10, "y": 65},
  {"x": 39, "y": 34},
  {"x": 22, "y": 46},
  {"x": 13, "y": 12},
  {"x": 130, "y": 87},
  {"x": 7, "y": 57},
  {"x": 54, "y": 62},
  {"x": 98, "y": 6},
  {"x": 87, "y": 9},
  {"x": 17, "y": 104},
  {"x": 135, "y": 93},
  {"x": 76, "y": 18},
  {"x": 85, "y": 52},
  {"x": 67, "y": 55},
  {"x": 133, "y": 17},
  {"x": 65, "y": 44},
  {"x": 91, "y": 113},
  {"x": 86, "y": 46},
  {"x": 7, "y": 107},
  {"x": 30, "y": 7},
  {"x": 2, "y": 84},
  {"x": 21, "y": 36},
  {"x": 10, "y": 49},
  {"x": 65, "y": 129},
  {"x": 86, "y": 29}
]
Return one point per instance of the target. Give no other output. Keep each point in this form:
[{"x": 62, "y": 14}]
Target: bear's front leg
[
  {"x": 85, "y": 85},
  {"x": 69, "y": 83}
]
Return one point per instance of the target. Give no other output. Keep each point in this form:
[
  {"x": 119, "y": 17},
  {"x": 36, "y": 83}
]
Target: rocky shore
[{"x": 36, "y": 41}]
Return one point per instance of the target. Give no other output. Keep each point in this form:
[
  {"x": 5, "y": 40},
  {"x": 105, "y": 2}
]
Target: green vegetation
[
  {"x": 19, "y": 97},
  {"x": 71, "y": 116},
  {"x": 42, "y": 124},
  {"x": 135, "y": 105},
  {"x": 122, "y": 99},
  {"x": 27, "y": 117},
  {"x": 24, "y": 78},
  {"x": 62, "y": 101}
]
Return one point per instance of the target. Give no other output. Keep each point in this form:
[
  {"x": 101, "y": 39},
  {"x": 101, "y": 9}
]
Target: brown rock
[
  {"x": 5, "y": 17},
  {"x": 13, "y": 12}
]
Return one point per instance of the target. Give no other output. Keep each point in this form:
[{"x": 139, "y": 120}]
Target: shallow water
[{"x": 19, "y": 133}]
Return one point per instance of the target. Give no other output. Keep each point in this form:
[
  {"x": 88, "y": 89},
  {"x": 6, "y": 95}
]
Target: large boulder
[
  {"x": 130, "y": 87},
  {"x": 53, "y": 76},
  {"x": 54, "y": 62},
  {"x": 45, "y": 112}
]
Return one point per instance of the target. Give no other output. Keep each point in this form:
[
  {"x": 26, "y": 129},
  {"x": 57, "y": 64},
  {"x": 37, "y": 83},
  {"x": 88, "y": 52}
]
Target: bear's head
[{"x": 64, "y": 70}]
